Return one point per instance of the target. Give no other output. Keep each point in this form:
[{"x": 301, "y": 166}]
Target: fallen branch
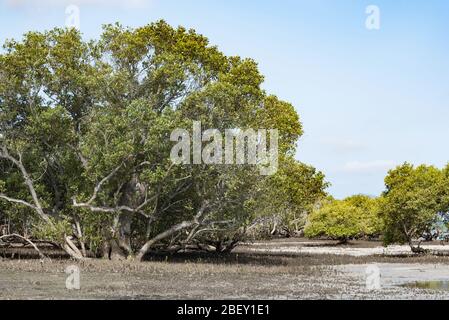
[{"x": 14, "y": 235}]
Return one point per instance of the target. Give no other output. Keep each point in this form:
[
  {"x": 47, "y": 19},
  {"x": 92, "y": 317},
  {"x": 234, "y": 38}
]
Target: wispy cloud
[
  {"x": 60, "y": 3},
  {"x": 369, "y": 166}
]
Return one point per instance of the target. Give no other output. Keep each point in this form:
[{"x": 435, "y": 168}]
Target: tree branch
[
  {"x": 24, "y": 203},
  {"x": 14, "y": 235},
  {"x": 179, "y": 227},
  {"x": 28, "y": 181},
  {"x": 103, "y": 181}
]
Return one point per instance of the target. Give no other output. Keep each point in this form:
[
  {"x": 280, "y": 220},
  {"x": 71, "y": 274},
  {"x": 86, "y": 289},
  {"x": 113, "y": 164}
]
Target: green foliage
[
  {"x": 370, "y": 223},
  {"x": 287, "y": 197},
  {"x": 413, "y": 197},
  {"x": 56, "y": 232},
  {"x": 95, "y": 227},
  {"x": 277, "y": 114},
  {"x": 352, "y": 217},
  {"x": 90, "y": 122}
]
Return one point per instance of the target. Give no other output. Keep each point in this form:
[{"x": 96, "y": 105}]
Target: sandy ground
[
  {"x": 308, "y": 272},
  {"x": 355, "y": 250}
]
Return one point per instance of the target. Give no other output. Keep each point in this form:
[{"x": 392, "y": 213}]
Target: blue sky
[{"x": 369, "y": 99}]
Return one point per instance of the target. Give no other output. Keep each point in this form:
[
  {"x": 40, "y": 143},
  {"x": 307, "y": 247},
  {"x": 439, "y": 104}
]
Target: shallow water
[{"x": 430, "y": 285}]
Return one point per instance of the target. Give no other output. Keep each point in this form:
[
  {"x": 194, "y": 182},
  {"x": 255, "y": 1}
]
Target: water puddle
[{"x": 429, "y": 285}]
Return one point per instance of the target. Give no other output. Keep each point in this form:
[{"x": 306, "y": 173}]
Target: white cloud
[
  {"x": 59, "y": 3},
  {"x": 369, "y": 166}
]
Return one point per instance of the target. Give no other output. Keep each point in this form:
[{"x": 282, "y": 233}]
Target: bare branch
[
  {"x": 24, "y": 203},
  {"x": 103, "y": 181},
  {"x": 179, "y": 227},
  {"x": 164, "y": 235},
  {"x": 14, "y": 235},
  {"x": 28, "y": 181}
]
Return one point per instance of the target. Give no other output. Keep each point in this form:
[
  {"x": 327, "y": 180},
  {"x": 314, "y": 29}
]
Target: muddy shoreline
[{"x": 245, "y": 274}]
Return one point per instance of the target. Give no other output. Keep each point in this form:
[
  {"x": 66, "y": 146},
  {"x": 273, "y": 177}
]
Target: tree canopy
[
  {"x": 351, "y": 218},
  {"x": 85, "y": 141},
  {"x": 412, "y": 199}
]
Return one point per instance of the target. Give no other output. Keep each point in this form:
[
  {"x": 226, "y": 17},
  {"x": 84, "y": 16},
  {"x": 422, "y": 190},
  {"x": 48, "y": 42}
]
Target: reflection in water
[{"x": 432, "y": 285}]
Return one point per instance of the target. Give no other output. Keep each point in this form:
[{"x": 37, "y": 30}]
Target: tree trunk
[
  {"x": 71, "y": 249},
  {"x": 416, "y": 249},
  {"x": 117, "y": 253},
  {"x": 106, "y": 250},
  {"x": 133, "y": 194},
  {"x": 147, "y": 246}
]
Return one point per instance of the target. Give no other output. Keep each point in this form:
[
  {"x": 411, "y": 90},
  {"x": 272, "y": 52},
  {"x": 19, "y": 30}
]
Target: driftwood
[{"x": 24, "y": 240}]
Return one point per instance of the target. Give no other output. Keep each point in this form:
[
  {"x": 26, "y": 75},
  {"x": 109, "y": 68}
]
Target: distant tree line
[{"x": 407, "y": 212}]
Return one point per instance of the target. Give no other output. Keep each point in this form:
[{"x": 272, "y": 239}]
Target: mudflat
[{"x": 248, "y": 273}]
